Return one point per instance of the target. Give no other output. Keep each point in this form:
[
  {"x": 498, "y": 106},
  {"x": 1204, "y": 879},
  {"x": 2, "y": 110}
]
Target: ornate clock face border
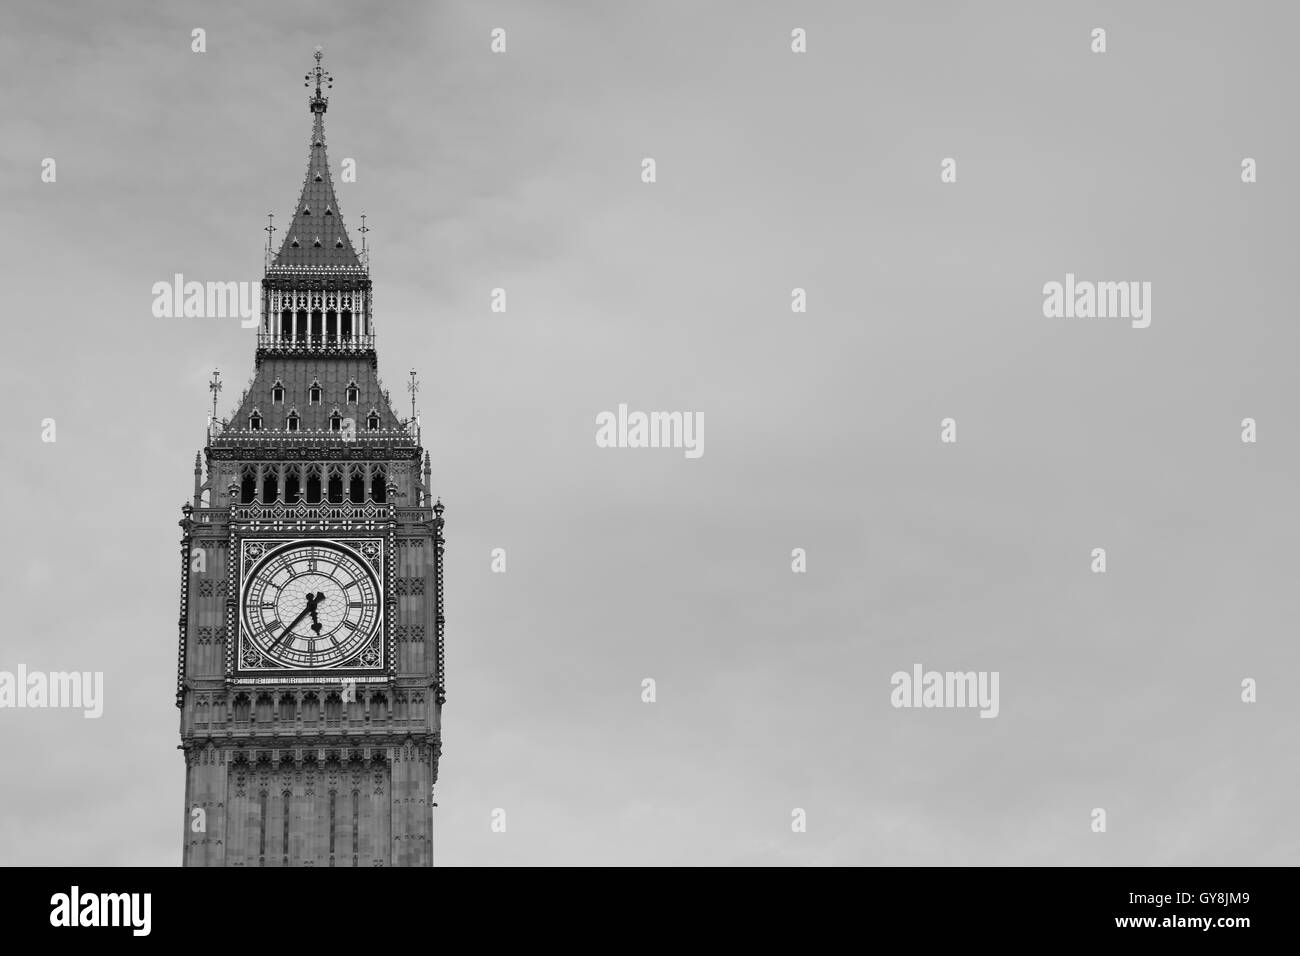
[{"x": 246, "y": 551}]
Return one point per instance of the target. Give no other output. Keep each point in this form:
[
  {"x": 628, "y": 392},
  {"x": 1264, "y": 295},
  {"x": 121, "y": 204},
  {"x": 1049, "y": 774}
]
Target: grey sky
[{"x": 775, "y": 171}]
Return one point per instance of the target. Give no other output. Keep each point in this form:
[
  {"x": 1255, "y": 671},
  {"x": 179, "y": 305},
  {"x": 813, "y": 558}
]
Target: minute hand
[{"x": 307, "y": 611}]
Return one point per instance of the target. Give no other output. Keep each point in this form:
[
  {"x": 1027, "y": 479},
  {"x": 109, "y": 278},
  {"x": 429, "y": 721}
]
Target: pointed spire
[
  {"x": 426, "y": 486},
  {"x": 316, "y": 238},
  {"x": 198, "y": 480}
]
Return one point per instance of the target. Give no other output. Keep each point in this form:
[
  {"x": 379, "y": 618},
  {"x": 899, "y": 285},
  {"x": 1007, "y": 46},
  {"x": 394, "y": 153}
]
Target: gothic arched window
[
  {"x": 248, "y": 485},
  {"x": 354, "y": 393},
  {"x": 378, "y": 486},
  {"x": 336, "y": 421},
  {"x": 293, "y": 421},
  {"x": 265, "y": 707},
  {"x": 242, "y": 708},
  {"x": 372, "y": 420},
  {"x": 287, "y": 707},
  {"x": 357, "y": 486},
  {"x": 313, "y": 485},
  {"x": 270, "y": 485},
  {"x": 292, "y": 485},
  {"x": 255, "y": 421},
  {"x": 314, "y": 393},
  {"x": 346, "y": 328},
  {"x": 336, "y": 486},
  {"x": 277, "y": 393},
  {"x": 310, "y": 709},
  {"x": 333, "y": 708}
]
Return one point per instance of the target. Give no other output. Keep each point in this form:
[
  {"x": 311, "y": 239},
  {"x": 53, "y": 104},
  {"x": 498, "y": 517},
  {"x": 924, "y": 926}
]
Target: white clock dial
[{"x": 311, "y": 604}]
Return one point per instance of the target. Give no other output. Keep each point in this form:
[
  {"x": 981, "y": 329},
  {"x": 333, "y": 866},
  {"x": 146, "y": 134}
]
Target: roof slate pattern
[
  {"x": 296, "y": 374},
  {"x": 317, "y": 226}
]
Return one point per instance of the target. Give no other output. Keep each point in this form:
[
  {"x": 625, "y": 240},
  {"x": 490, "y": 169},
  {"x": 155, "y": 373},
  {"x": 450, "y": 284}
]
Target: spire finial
[
  {"x": 413, "y": 386},
  {"x": 319, "y": 101},
  {"x": 270, "y": 235},
  {"x": 214, "y": 386}
]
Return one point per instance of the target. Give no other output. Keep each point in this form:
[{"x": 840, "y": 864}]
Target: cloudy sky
[{"x": 775, "y": 171}]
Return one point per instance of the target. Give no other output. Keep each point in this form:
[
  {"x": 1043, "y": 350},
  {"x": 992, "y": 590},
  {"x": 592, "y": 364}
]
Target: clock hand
[
  {"x": 310, "y": 609},
  {"x": 319, "y": 600}
]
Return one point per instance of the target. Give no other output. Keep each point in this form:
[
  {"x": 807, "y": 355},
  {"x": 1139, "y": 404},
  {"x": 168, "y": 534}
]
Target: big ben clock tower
[{"x": 310, "y": 670}]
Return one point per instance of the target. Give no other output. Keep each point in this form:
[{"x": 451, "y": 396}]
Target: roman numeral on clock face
[{"x": 349, "y": 625}]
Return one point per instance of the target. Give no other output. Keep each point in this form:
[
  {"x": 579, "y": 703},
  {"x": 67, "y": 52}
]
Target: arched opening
[
  {"x": 243, "y": 706},
  {"x": 378, "y": 707},
  {"x": 357, "y": 487},
  {"x": 292, "y": 486},
  {"x": 378, "y": 485},
  {"x": 335, "y": 487},
  {"x": 248, "y": 486},
  {"x": 333, "y": 709},
  {"x": 302, "y": 325},
  {"x": 287, "y": 707},
  {"x": 372, "y": 421},
  {"x": 313, "y": 486},
  {"x": 345, "y": 330},
  {"x": 265, "y": 706},
  {"x": 310, "y": 710},
  {"x": 331, "y": 326},
  {"x": 315, "y": 326},
  {"x": 270, "y": 485},
  {"x": 286, "y": 325}
]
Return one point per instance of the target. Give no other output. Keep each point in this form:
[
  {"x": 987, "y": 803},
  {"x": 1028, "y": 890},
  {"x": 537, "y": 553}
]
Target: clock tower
[{"x": 310, "y": 665}]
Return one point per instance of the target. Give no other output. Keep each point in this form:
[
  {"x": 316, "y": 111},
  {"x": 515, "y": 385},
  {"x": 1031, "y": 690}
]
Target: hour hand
[{"x": 312, "y": 605}]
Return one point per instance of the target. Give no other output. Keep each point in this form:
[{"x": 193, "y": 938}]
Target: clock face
[{"x": 311, "y": 605}]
